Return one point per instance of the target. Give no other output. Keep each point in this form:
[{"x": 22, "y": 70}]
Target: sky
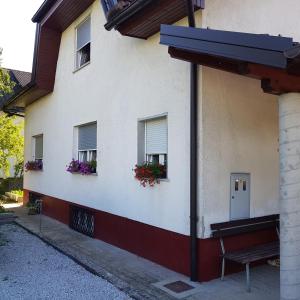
[{"x": 17, "y": 33}]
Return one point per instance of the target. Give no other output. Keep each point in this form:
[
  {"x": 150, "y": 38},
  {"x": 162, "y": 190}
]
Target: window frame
[
  {"x": 77, "y": 66},
  {"x": 34, "y": 147},
  {"x": 89, "y": 152},
  {"x": 76, "y": 151},
  {"x": 142, "y": 145}
]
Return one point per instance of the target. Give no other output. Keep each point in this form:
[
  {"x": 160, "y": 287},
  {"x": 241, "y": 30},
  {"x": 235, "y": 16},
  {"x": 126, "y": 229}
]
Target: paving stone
[{"x": 136, "y": 276}]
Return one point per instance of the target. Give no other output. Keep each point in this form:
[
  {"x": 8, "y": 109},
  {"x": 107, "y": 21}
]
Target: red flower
[{"x": 149, "y": 174}]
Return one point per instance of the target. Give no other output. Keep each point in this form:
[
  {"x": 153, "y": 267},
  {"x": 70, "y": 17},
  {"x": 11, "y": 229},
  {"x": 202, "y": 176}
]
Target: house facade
[{"x": 119, "y": 100}]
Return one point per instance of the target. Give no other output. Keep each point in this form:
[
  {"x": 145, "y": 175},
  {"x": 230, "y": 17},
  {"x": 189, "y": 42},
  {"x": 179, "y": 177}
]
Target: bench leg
[
  {"x": 223, "y": 268},
  {"x": 248, "y": 278}
]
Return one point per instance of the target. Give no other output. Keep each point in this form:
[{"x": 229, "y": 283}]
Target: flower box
[
  {"x": 35, "y": 165},
  {"x": 83, "y": 168},
  {"x": 149, "y": 173}
]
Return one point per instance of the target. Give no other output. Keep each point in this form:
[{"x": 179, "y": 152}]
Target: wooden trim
[
  {"x": 242, "y": 222},
  {"x": 244, "y": 229},
  {"x": 244, "y": 226}
]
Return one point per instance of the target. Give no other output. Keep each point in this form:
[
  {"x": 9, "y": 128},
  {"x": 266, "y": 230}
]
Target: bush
[
  {"x": 17, "y": 192},
  {"x": 9, "y": 184}
]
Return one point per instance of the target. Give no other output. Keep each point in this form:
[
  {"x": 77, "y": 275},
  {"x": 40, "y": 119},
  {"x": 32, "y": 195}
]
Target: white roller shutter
[
  {"x": 87, "y": 137},
  {"x": 156, "y": 136},
  {"x": 84, "y": 33},
  {"x": 38, "y": 147}
]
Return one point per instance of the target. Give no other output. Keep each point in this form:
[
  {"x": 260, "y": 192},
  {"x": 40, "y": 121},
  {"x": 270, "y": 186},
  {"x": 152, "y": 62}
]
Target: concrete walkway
[{"x": 138, "y": 277}]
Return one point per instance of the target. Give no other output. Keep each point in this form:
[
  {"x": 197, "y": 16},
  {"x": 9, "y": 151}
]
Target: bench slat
[
  {"x": 244, "y": 229},
  {"x": 244, "y": 222},
  {"x": 254, "y": 253}
]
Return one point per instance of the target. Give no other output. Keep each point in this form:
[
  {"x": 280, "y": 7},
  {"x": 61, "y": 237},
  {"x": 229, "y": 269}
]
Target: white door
[{"x": 239, "y": 196}]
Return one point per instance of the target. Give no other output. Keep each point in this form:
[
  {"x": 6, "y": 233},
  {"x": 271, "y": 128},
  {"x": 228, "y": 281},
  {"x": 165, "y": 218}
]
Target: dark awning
[{"x": 261, "y": 56}]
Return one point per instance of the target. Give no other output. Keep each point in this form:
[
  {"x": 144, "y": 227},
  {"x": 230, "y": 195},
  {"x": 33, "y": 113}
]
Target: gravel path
[{"x": 30, "y": 269}]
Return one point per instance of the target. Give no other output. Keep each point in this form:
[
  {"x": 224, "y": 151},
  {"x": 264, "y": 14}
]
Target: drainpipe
[
  {"x": 289, "y": 152},
  {"x": 193, "y": 156}
]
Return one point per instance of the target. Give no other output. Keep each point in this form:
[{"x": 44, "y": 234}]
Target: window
[
  {"x": 83, "y": 43},
  {"x": 87, "y": 143},
  {"x": 153, "y": 141},
  {"x": 38, "y": 148}
]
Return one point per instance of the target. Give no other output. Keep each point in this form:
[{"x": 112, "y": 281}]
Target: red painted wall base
[{"x": 164, "y": 247}]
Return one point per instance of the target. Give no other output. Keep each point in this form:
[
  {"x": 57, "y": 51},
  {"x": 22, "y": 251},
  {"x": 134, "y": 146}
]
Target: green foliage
[
  {"x": 6, "y": 85},
  {"x": 149, "y": 173},
  {"x": 9, "y": 184},
  {"x": 17, "y": 192},
  {"x": 19, "y": 168},
  {"x": 93, "y": 165},
  {"x": 11, "y": 139},
  {"x": 11, "y": 142}
]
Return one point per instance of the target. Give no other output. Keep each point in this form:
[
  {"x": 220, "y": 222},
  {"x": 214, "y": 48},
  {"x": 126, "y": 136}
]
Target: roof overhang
[
  {"x": 52, "y": 18},
  {"x": 142, "y": 18},
  {"x": 274, "y": 60}
]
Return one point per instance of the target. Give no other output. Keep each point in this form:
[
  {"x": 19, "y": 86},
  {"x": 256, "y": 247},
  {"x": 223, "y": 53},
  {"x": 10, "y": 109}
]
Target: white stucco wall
[
  {"x": 127, "y": 79},
  {"x": 240, "y": 135},
  {"x": 254, "y": 16},
  {"x": 130, "y": 79},
  {"x": 240, "y": 122}
]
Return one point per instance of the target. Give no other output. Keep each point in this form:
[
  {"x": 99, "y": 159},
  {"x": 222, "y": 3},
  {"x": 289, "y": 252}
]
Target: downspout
[{"x": 193, "y": 156}]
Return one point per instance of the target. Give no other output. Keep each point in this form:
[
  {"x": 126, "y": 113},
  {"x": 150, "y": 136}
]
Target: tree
[
  {"x": 11, "y": 142},
  {"x": 11, "y": 138},
  {"x": 6, "y": 85}
]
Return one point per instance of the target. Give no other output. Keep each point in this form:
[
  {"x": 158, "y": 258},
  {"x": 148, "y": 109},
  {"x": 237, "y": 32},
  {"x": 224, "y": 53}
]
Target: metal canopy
[
  {"x": 275, "y": 60},
  {"x": 254, "y": 48}
]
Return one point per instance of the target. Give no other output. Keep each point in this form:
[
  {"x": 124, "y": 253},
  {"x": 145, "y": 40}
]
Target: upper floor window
[
  {"x": 83, "y": 43},
  {"x": 87, "y": 143},
  {"x": 38, "y": 147}
]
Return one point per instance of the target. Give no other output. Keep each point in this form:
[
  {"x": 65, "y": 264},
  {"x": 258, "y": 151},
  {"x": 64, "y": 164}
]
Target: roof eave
[
  {"x": 42, "y": 11},
  {"x": 16, "y": 96},
  {"x": 127, "y": 13}
]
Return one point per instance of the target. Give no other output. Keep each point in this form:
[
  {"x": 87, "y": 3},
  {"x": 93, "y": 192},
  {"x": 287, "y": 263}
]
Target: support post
[
  {"x": 289, "y": 152},
  {"x": 248, "y": 278},
  {"x": 193, "y": 156}
]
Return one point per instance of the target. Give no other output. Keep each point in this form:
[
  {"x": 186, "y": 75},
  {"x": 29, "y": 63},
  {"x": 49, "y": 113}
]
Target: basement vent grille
[{"x": 82, "y": 220}]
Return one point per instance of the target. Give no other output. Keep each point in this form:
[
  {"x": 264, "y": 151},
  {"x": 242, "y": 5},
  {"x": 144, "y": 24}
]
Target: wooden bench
[{"x": 250, "y": 254}]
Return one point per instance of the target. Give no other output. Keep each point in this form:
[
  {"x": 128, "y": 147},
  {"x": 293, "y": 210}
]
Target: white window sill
[
  {"x": 81, "y": 67},
  {"x": 85, "y": 175},
  {"x": 164, "y": 180}
]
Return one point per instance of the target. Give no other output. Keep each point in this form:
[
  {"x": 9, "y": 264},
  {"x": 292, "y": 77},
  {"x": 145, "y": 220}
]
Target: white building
[{"x": 96, "y": 94}]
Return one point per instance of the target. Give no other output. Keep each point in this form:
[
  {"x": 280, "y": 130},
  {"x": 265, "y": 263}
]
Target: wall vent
[{"x": 82, "y": 220}]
